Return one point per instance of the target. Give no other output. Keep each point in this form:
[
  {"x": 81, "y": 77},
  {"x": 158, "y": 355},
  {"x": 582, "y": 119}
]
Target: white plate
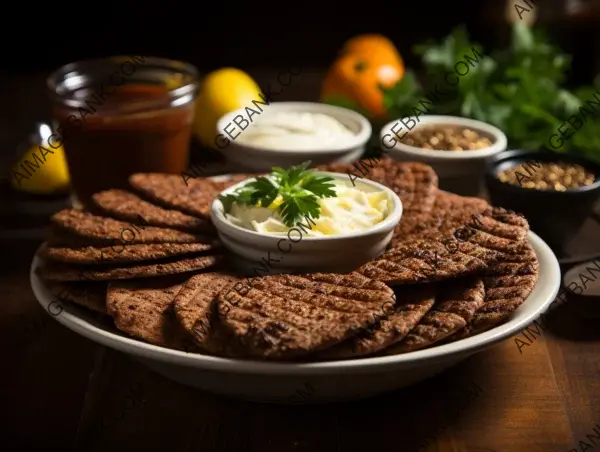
[{"x": 306, "y": 382}]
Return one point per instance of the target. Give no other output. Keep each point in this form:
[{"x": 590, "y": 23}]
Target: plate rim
[{"x": 549, "y": 270}]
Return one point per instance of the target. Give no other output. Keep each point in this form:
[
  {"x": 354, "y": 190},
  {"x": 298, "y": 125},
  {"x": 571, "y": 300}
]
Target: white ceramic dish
[
  {"x": 299, "y": 253},
  {"x": 459, "y": 172},
  {"x": 306, "y": 382},
  {"x": 247, "y": 157}
]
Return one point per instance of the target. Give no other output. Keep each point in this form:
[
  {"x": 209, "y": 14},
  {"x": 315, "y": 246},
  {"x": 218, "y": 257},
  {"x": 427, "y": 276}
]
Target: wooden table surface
[{"x": 63, "y": 392}]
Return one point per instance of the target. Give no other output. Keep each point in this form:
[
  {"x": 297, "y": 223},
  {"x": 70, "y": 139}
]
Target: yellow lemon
[
  {"x": 41, "y": 170},
  {"x": 221, "y": 92}
]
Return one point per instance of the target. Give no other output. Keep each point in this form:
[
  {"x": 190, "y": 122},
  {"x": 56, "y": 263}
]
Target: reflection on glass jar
[{"x": 122, "y": 115}]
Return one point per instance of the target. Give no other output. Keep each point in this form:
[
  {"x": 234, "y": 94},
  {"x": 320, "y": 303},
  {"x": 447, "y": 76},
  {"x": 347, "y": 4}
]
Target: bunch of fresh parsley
[
  {"x": 299, "y": 187},
  {"x": 520, "y": 89}
]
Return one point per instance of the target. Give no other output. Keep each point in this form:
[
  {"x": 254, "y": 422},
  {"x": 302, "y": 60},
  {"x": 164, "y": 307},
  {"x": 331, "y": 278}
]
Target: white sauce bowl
[
  {"x": 459, "y": 171},
  {"x": 298, "y": 253},
  {"x": 248, "y": 157}
]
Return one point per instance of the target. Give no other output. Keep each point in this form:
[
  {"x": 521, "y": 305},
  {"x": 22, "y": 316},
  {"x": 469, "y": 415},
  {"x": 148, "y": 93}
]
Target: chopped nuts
[
  {"x": 556, "y": 176},
  {"x": 446, "y": 138}
]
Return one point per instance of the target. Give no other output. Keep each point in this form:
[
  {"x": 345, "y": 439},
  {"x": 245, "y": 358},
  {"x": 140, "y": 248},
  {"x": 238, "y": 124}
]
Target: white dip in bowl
[
  {"x": 288, "y": 133},
  {"x": 291, "y": 131},
  {"x": 353, "y": 228}
]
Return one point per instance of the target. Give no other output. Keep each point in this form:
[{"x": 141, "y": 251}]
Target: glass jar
[{"x": 122, "y": 115}]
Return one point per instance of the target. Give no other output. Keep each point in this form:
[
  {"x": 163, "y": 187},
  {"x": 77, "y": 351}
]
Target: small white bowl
[
  {"x": 459, "y": 172},
  {"x": 255, "y": 158},
  {"x": 298, "y": 253}
]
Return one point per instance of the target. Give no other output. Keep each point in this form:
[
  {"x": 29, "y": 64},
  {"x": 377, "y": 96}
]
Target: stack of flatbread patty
[{"x": 150, "y": 259}]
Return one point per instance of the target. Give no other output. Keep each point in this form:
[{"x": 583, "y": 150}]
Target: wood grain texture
[{"x": 544, "y": 397}]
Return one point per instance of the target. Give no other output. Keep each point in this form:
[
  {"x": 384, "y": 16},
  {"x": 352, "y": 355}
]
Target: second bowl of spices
[
  {"x": 457, "y": 148},
  {"x": 556, "y": 192}
]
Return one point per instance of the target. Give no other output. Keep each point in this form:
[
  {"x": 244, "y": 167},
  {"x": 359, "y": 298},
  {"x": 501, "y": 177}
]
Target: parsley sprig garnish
[{"x": 300, "y": 190}]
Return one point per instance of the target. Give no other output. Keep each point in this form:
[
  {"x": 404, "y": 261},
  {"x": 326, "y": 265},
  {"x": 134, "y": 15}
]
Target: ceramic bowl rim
[
  {"x": 390, "y": 222},
  {"x": 499, "y": 144},
  {"x": 336, "y": 112}
]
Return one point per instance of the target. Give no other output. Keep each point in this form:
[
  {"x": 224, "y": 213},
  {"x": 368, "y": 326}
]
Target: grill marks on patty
[
  {"x": 195, "y": 308},
  {"x": 391, "y": 324},
  {"x": 449, "y": 213},
  {"x": 89, "y": 255},
  {"x": 129, "y": 207},
  {"x": 459, "y": 267},
  {"x": 143, "y": 309},
  {"x": 170, "y": 190},
  {"x": 68, "y": 272},
  {"x": 493, "y": 235},
  {"x": 91, "y": 295},
  {"x": 194, "y": 196},
  {"x": 110, "y": 231},
  {"x": 285, "y": 316},
  {"x": 421, "y": 261},
  {"x": 457, "y": 303},
  {"x": 507, "y": 286},
  {"x": 415, "y": 183}
]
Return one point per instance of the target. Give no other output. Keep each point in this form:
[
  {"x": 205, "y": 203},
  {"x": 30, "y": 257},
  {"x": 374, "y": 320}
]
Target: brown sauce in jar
[{"x": 135, "y": 129}]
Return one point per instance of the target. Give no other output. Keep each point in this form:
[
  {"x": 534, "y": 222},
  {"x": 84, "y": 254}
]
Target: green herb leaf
[
  {"x": 519, "y": 89},
  {"x": 297, "y": 204},
  {"x": 227, "y": 201},
  {"x": 299, "y": 187},
  {"x": 295, "y": 174},
  {"x": 263, "y": 191},
  {"x": 242, "y": 195},
  {"x": 399, "y": 100},
  {"x": 320, "y": 186}
]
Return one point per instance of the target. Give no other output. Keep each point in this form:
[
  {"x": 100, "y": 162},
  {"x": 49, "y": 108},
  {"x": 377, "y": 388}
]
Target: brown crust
[
  {"x": 195, "y": 308},
  {"x": 450, "y": 202},
  {"x": 483, "y": 241},
  {"x": 143, "y": 309},
  {"x": 127, "y": 206},
  {"x": 194, "y": 197},
  {"x": 90, "y": 295},
  {"x": 427, "y": 225},
  {"x": 111, "y": 231},
  {"x": 90, "y": 255},
  {"x": 320, "y": 316},
  {"x": 66, "y": 272},
  {"x": 415, "y": 183},
  {"x": 286, "y": 316},
  {"x": 507, "y": 286},
  {"x": 389, "y": 326},
  {"x": 449, "y": 212},
  {"x": 457, "y": 303},
  {"x": 61, "y": 238},
  {"x": 423, "y": 261}
]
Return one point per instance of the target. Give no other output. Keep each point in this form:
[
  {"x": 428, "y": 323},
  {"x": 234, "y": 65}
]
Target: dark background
[
  {"x": 257, "y": 34},
  {"x": 261, "y": 38},
  {"x": 243, "y": 34}
]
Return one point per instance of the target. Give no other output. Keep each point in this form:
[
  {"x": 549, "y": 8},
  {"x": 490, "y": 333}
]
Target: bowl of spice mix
[
  {"x": 555, "y": 192},
  {"x": 457, "y": 148}
]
